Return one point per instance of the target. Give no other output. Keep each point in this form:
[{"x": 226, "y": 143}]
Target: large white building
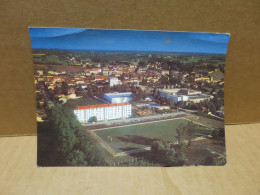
[
  {"x": 103, "y": 111},
  {"x": 183, "y": 95},
  {"x": 118, "y": 97}
]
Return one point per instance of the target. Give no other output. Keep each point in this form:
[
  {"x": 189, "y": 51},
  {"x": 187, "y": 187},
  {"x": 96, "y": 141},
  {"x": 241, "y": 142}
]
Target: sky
[{"x": 128, "y": 40}]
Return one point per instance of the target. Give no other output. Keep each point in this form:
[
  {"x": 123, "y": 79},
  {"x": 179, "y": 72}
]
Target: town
[
  {"x": 116, "y": 93},
  {"x": 158, "y": 83}
]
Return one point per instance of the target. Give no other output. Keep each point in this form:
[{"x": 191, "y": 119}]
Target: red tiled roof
[
  {"x": 100, "y": 106},
  {"x": 60, "y": 77},
  {"x": 101, "y": 77}
]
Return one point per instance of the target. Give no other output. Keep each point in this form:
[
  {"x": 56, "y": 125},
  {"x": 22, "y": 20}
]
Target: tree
[
  {"x": 164, "y": 80},
  {"x": 52, "y": 59},
  {"x": 216, "y": 101},
  {"x": 93, "y": 119},
  {"x": 184, "y": 135},
  {"x": 57, "y": 90},
  {"x": 218, "y": 133},
  {"x": 180, "y": 104},
  {"x": 90, "y": 91},
  {"x": 163, "y": 152},
  {"x": 208, "y": 104},
  {"x": 62, "y": 141},
  {"x": 171, "y": 102},
  {"x": 141, "y": 64},
  {"x": 180, "y": 136},
  {"x": 190, "y": 132},
  {"x": 192, "y": 106},
  {"x": 212, "y": 107},
  {"x": 75, "y": 158},
  {"x": 173, "y": 80},
  {"x": 65, "y": 87},
  {"x": 144, "y": 81}
]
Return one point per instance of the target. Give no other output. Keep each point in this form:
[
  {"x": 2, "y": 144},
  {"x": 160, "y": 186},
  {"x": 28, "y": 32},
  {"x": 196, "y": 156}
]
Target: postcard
[{"x": 129, "y": 97}]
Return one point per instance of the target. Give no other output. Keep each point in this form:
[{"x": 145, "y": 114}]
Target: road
[{"x": 46, "y": 94}]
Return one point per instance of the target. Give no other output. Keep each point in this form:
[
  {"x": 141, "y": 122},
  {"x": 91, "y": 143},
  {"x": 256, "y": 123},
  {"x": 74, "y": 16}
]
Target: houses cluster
[
  {"x": 112, "y": 74},
  {"x": 145, "y": 78},
  {"x": 210, "y": 77}
]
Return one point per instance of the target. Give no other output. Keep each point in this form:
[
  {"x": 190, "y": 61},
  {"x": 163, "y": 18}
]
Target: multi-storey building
[{"x": 103, "y": 111}]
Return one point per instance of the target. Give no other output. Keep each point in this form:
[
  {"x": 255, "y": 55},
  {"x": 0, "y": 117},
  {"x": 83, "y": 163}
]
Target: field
[{"x": 138, "y": 136}]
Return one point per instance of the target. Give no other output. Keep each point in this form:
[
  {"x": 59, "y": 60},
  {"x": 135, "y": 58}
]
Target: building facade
[
  {"x": 185, "y": 95},
  {"x": 103, "y": 111},
  {"x": 113, "y": 81},
  {"x": 118, "y": 97}
]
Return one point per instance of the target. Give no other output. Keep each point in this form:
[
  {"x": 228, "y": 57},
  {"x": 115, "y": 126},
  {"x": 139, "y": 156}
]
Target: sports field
[{"x": 141, "y": 135}]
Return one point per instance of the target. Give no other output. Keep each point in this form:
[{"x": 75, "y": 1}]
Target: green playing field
[{"x": 141, "y": 135}]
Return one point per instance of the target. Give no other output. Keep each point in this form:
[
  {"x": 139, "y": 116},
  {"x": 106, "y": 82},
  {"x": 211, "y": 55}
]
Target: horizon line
[{"x": 130, "y": 51}]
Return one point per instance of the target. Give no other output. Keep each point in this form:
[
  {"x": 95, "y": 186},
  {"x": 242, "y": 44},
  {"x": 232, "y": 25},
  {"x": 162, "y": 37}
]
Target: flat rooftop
[
  {"x": 116, "y": 94},
  {"x": 100, "y": 106},
  {"x": 179, "y": 91}
]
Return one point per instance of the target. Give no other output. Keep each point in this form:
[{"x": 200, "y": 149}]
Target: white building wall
[
  {"x": 185, "y": 98},
  {"x": 113, "y": 81},
  {"x": 119, "y": 99},
  {"x": 105, "y": 113}
]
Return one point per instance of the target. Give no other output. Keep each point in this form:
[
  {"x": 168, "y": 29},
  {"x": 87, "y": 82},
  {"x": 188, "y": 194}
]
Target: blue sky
[{"x": 128, "y": 40}]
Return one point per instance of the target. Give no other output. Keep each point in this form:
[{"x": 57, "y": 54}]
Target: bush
[{"x": 93, "y": 119}]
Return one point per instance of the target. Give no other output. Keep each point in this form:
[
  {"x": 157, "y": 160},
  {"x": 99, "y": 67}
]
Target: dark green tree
[
  {"x": 62, "y": 141},
  {"x": 180, "y": 136},
  {"x": 93, "y": 119},
  {"x": 142, "y": 64},
  {"x": 163, "y": 152},
  {"x": 171, "y": 102},
  {"x": 190, "y": 132}
]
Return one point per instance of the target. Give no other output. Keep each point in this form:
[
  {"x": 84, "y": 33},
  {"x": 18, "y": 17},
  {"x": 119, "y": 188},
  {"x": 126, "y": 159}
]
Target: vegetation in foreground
[{"x": 62, "y": 141}]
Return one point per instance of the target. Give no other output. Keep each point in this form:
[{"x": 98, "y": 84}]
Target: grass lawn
[{"x": 142, "y": 135}]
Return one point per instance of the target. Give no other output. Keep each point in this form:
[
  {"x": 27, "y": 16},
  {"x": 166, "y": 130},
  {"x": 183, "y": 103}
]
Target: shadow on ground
[
  {"x": 136, "y": 139},
  {"x": 128, "y": 149}
]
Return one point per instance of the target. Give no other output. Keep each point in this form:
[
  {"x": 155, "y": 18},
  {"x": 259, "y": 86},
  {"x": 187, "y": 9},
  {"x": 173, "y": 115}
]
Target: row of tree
[{"x": 62, "y": 141}]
